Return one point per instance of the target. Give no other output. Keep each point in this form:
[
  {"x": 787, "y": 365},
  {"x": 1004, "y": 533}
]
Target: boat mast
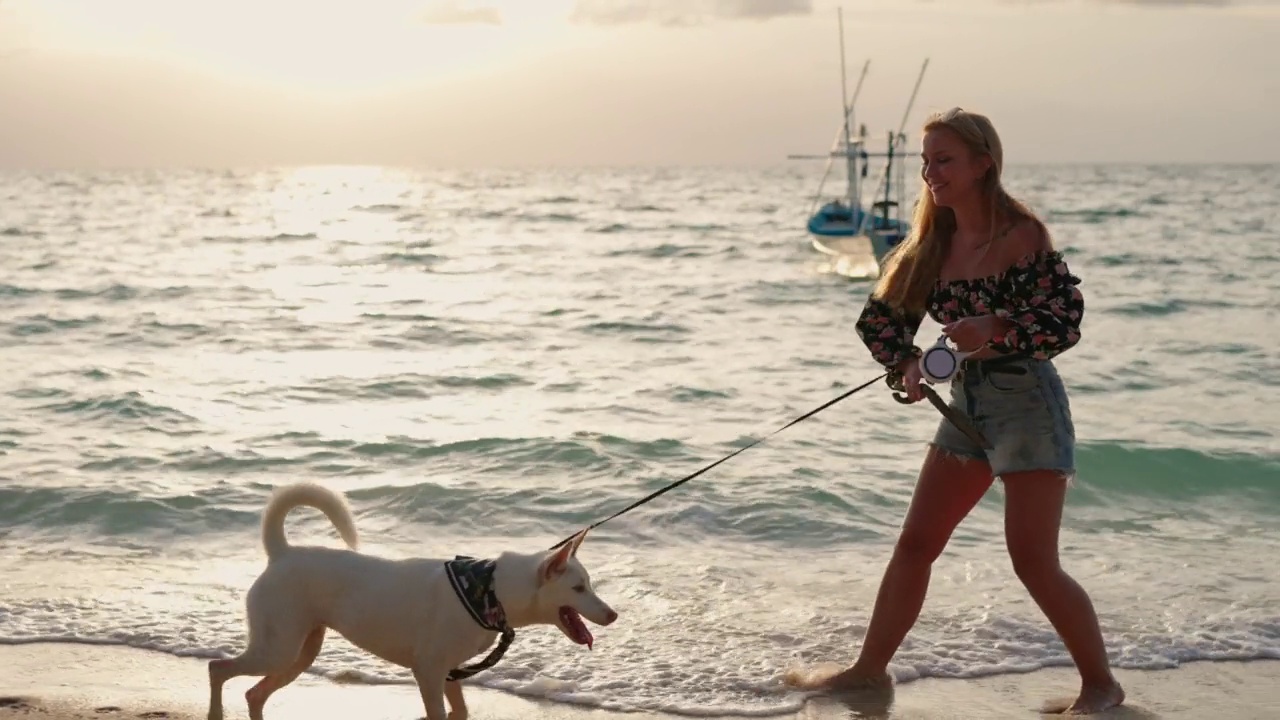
[
  {"x": 850, "y": 186},
  {"x": 853, "y": 191}
]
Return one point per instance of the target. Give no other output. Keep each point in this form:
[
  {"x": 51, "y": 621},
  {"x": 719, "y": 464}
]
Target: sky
[{"x": 517, "y": 83}]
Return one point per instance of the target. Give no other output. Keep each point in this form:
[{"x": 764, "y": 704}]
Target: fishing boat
[{"x": 857, "y": 229}]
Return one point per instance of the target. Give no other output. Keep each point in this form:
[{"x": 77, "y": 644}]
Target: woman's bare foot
[
  {"x": 830, "y": 679},
  {"x": 1093, "y": 699},
  {"x": 854, "y": 679}
]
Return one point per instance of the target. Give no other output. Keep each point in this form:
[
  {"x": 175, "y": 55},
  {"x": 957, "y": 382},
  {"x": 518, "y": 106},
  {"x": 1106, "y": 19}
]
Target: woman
[{"x": 979, "y": 262}]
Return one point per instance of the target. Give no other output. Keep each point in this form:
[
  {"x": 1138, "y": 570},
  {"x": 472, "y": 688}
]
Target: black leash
[
  {"x": 509, "y": 635},
  {"x": 892, "y": 379},
  {"x": 748, "y": 446}
]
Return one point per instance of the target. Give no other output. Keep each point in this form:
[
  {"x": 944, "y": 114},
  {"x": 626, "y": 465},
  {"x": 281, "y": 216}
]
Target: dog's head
[{"x": 564, "y": 592}]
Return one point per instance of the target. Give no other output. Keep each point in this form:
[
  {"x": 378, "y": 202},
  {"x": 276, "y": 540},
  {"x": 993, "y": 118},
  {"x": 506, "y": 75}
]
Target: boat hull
[{"x": 839, "y": 230}]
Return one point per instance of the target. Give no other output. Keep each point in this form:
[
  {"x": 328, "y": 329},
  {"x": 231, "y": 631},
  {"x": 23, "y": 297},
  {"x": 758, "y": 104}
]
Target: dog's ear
[
  {"x": 553, "y": 565},
  {"x": 577, "y": 541}
]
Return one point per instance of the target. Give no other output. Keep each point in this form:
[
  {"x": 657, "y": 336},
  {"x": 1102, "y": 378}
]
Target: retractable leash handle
[{"x": 941, "y": 362}]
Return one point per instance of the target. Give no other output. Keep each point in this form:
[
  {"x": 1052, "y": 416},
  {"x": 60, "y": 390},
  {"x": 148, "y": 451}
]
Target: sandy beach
[{"x": 77, "y": 682}]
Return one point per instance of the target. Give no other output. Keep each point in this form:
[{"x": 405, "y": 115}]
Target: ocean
[{"x": 490, "y": 360}]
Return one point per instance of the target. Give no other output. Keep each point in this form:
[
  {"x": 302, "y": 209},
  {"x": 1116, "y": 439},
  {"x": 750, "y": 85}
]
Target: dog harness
[{"x": 472, "y": 581}]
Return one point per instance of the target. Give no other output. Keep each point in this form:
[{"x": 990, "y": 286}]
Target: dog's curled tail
[{"x": 288, "y": 497}]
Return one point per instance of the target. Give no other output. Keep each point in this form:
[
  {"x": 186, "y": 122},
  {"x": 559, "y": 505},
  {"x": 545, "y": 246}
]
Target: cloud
[
  {"x": 453, "y": 12},
  {"x": 683, "y": 12}
]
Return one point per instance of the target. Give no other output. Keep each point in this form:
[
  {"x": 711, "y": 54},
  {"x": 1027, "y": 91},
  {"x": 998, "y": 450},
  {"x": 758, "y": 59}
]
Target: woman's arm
[
  {"x": 888, "y": 334},
  {"x": 1044, "y": 308}
]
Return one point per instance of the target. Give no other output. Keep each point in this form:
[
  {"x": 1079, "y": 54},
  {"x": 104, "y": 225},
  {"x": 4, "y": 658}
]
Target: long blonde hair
[{"x": 912, "y": 267}]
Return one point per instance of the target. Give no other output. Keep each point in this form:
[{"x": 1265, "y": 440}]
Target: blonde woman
[{"x": 980, "y": 262}]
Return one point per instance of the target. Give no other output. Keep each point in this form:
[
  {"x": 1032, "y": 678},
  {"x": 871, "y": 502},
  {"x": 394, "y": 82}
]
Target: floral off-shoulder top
[{"x": 1038, "y": 294}]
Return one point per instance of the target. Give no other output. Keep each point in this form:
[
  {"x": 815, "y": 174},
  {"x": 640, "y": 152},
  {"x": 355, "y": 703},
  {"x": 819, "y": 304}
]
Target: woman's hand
[
  {"x": 972, "y": 333},
  {"x": 911, "y": 378}
]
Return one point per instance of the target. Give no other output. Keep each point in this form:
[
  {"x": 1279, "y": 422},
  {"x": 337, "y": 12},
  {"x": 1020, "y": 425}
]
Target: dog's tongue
[{"x": 577, "y": 629}]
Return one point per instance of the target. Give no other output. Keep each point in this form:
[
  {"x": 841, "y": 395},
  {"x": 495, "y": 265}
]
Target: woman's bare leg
[
  {"x": 947, "y": 490},
  {"x": 1033, "y": 515}
]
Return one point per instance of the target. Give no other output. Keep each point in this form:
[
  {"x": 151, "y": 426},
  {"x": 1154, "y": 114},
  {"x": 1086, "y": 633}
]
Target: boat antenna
[
  {"x": 887, "y": 175},
  {"x": 902, "y": 127}
]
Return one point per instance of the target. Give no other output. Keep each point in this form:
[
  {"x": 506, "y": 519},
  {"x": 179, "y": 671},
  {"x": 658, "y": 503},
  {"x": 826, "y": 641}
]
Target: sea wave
[{"x": 539, "y": 485}]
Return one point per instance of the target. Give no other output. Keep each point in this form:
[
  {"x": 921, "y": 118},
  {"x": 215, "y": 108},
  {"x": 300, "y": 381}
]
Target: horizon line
[{"x": 258, "y": 167}]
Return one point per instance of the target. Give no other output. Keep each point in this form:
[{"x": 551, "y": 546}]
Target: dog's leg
[
  {"x": 219, "y": 674},
  {"x": 431, "y": 684},
  {"x": 457, "y": 703},
  {"x": 259, "y": 658},
  {"x": 258, "y": 694}
]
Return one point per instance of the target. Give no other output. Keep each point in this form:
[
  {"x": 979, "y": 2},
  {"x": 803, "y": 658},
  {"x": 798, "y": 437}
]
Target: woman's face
[{"x": 952, "y": 171}]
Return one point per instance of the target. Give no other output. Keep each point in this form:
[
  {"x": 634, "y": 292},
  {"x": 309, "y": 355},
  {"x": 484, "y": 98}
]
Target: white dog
[{"x": 421, "y": 614}]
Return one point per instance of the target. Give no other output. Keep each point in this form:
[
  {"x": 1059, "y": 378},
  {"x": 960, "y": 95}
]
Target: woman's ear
[{"x": 987, "y": 163}]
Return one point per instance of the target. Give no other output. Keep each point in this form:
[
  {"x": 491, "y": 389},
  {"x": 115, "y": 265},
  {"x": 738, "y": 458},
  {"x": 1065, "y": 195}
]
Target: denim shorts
[{"x": 1021, "y": 408}]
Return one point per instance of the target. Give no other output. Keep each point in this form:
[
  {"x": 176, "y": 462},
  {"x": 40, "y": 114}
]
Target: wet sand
[{"x": 83, "y": 682}]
